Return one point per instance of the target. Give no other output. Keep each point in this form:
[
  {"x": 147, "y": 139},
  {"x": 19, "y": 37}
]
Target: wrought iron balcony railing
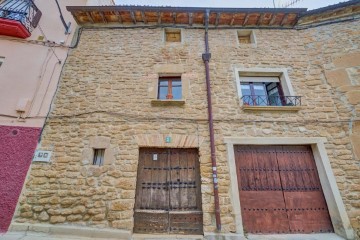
[
  {"x": 253, "y": 100},
  {"x": 18, "y": 17}
]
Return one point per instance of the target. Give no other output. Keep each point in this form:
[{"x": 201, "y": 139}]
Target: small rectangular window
[
  {"x": 172, "y": 35},
  {"x": 170, "y": 88},
  {"x": 244, "y": 39},
  {"x": 245, "y": 36},
  {"x": 99, "y": 155}
]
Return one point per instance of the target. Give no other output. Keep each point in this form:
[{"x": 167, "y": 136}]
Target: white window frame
[{"x": 281, "y": 73}]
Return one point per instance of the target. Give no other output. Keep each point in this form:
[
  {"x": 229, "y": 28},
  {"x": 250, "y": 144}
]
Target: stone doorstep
[
  {"x": 207, "y": 236},
  {"x": 314, "y": 236},
  {"x": 137, "y": 236},
  {"x": 59, "y": 231},
  {"x": 97, "y": 233},
  {"x": 75, "y": 231}
]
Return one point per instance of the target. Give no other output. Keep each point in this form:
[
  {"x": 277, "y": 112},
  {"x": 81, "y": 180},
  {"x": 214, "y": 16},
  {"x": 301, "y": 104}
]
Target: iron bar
[
  {"x": 263, "y": 100},
  {"x": 25, "y": 12}
]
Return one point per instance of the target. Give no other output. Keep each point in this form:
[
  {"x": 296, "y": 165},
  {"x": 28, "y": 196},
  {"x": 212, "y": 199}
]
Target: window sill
[
  {"x": 167, "y": 102},
  {"x": 271, "y": 108}
]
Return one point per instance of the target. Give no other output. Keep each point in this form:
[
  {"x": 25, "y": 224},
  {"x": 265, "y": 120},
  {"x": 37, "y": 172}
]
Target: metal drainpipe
[{"x": 206, "y": 58}]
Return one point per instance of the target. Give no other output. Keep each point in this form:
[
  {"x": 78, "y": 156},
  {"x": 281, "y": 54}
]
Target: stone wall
[
  {"x": 106, "y": 91},
  {"x": 337, "y": 52}
]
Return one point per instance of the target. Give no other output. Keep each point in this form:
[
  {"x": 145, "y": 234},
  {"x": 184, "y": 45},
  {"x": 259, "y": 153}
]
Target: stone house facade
[{"x": 112, "y": 117}]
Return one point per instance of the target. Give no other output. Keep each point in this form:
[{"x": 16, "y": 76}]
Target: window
[
  {"x": 170, "y": 88},
  {"x": 246, "y": 37},
  {"x": 271, "y": 87},
  {"x": 99, "y": 156},
  {"x": 262, "y": 91},
  {"x": 172, "y": 35}
]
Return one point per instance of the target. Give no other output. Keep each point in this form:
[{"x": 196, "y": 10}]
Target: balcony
[
  {"x": 18, "y": 18},
  {"x": 277, "y": 103}
]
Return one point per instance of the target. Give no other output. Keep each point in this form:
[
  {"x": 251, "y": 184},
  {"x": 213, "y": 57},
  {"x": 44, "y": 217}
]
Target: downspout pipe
[
  {"x": 67, "y": 26},
  {"x": 206, "y": 58}
]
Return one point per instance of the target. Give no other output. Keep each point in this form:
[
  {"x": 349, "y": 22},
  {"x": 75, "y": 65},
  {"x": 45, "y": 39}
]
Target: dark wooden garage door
[
  {"x": 280, "y": 190},
  {"x": 168, "y": 194}
]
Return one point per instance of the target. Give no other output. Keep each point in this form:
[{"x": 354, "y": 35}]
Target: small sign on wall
[{"x": 42, "y": 156}]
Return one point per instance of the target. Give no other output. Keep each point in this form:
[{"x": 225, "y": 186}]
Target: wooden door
[
  {"x": 306, "y": 206},
  {"x": 168, "y": 194},
  {"x": 280, "y": 191}
]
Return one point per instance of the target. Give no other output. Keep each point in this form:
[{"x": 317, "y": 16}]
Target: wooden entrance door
[
  {"x": 280, "y": 190},
  {"x": 168, "y": 194}
]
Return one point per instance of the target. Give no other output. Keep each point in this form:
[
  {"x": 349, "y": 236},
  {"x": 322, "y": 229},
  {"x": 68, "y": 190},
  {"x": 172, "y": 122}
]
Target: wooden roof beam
[
  {"x": 273, "y": 18},
  {"x": 76, "y": 18},
  {"x": 217, "y": 19},
  {"x": 190, "y": 19},
  {"x": 144, "y": 17},
  {"x": 159, "y": 15},
  {"x": 174, "y": 17},
  {"x": 285, "y": 18},
  {"x": 246, "y": 19},
  {"x": 88, "y": 14},
  {"x": 103, "y": 17},
  {"x": 132, "y": 14},
  {"x": 232, "y": 20},
  {"x": 118, "y": 16},
  {"x": 261, "y": 18},
  {"x": 90, "y": 17}
]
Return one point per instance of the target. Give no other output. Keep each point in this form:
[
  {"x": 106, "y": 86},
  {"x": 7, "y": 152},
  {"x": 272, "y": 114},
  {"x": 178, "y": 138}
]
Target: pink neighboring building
[{"x": 33, "y": 50}]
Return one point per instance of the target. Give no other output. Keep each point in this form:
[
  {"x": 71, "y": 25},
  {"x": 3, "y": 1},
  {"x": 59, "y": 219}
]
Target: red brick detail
[{"x": 17, "y": 146}]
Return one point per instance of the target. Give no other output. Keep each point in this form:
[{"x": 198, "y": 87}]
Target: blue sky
[{"x": 310, "y": 4}]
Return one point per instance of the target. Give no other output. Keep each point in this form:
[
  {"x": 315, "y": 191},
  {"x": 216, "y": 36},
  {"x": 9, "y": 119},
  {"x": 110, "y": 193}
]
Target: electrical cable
[
  {"x": 79, "y": 32},
  {"x": 42, "y": 32},
  {"x": 52, "y": 101},
  {"x": 38, "y": 84},
  {"x": 47, "y": 87},
  {"x": 156, "y": 118}
]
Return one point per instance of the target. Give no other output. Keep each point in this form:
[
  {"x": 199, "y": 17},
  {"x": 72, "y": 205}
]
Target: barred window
[{"x": 99, "y": 157}]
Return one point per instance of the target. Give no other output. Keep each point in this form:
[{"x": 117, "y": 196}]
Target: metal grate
[
  {"x": 252, "y": 100},
  {"x": 99, "y": 157},
  {"x": 23, "y": 11}
]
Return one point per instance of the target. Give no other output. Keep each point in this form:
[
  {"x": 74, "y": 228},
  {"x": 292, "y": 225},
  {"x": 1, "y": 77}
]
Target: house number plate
[{"x": 42, "y": 156}]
